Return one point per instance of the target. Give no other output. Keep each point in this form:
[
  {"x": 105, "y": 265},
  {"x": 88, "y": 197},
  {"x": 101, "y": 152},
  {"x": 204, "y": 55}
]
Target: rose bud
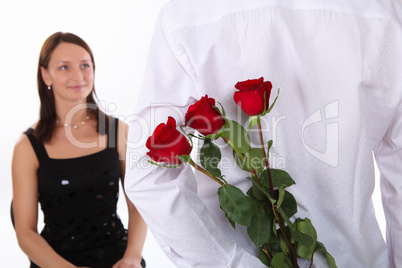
[
  {"x": 250, "y": 96},
  {"x": 166, "y": 143},
  {"x": 203, "y": 117}
]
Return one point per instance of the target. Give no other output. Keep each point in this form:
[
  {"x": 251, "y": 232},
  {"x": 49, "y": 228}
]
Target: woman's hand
[{"x": 126, "y": 262}]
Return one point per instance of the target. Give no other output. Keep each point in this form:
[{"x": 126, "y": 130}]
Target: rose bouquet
[{"x": 266, "y": 209}]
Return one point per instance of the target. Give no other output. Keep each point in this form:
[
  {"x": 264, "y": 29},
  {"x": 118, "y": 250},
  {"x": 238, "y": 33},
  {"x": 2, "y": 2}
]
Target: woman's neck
[{"x": 72, "y": 114}]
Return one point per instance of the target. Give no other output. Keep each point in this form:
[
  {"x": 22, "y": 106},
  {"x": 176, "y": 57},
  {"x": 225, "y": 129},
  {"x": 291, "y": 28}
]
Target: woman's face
[{"x": 70, "y": 73}]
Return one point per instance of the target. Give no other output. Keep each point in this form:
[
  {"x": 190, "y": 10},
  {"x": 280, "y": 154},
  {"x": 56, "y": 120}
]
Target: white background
[{"x": 119, "y": 33}]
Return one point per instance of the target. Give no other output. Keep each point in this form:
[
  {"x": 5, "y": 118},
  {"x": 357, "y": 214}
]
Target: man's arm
[
  {"x": 167, "y": 198},
  {"x": 389, "y": 160}
]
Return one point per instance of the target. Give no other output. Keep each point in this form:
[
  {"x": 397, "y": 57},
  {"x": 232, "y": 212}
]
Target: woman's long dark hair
[{"x": 47, "y": 115}]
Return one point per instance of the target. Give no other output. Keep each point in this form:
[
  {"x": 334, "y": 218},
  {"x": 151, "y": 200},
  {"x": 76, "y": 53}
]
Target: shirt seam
[
  {"x": 299, "y": 7},
  {"x": 180, "y": 55}
]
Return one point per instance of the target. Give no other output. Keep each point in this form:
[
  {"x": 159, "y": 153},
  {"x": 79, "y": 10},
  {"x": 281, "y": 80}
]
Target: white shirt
[{"x": 338, "y": 64}]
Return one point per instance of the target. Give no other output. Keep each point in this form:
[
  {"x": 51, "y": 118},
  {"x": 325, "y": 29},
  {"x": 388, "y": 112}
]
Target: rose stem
[
  {"x": 264, "y": 154},
  {"x": 272, "y": 191},
  {"x": 197, "y": 167},
  {"x": 266, "y": 251},
  {"x": 292, "y": 248}
]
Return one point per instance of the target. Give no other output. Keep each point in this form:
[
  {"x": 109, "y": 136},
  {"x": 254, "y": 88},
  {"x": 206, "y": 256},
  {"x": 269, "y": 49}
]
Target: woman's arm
[
  {"x": 25, "y": 201},
  {"x": 137, "y": 229}
]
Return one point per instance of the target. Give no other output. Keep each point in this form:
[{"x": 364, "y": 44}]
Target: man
[{"x": 338, "y": 65}]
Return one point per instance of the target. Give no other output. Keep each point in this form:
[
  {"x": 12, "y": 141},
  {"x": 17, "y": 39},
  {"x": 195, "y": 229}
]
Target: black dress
[{"x": 78, "y": 197}]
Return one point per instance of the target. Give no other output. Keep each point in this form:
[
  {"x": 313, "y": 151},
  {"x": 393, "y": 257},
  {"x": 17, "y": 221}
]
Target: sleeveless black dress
[{"x": 78, "y": 197}]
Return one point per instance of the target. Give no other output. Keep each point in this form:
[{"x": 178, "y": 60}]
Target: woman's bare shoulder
[{"x": 23, "y": 148}]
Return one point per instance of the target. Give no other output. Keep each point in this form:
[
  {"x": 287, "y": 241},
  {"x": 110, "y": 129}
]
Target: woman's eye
[
  {"x": 64, "y": 67},
  {"x": 86, "y": 65}
]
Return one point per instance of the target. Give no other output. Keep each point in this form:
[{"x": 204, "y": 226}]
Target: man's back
[{"x": 338, "y": 66}]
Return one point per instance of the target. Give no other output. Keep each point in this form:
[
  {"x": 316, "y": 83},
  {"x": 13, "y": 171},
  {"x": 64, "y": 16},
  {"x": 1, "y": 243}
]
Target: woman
[{"x": 70, "y": 162}]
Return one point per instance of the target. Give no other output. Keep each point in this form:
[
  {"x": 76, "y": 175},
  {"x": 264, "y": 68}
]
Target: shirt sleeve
[
  {"x": 167, "y": 198},
  {"x": 389, "y": 160}
]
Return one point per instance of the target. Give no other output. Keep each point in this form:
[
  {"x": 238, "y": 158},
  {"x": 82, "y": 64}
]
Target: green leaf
[
  {"x": 242, "y": 164},
  {"x": 256, "y": 193},
  {"x": 254, "y": 159},
  {"x": 279, "y": 178},
  {"x": 223, "y": 109},
  {"x": 259, "y": 230},
  {"x": 236, "y": 204},
  {"x": 237, "y": 135},
  {"x": 274, "y": 227},
  {"x": 289, "y": 204},
  {"x": 252, "y": 122},
  {"x": 230, "y": 221},
  {"x": 283, "y": 244},
  {"x": 184, "y": 158},
  {"x": 160, "y": 165},
  {"x": 263, "y": 256},
  {"x": 210, "y": 156},
  {"x": 306, "y": 227},
  {"x": 302, "y": 239},
  {"x": 281, "y": 191},
  {"x": 211, "y": 136},
  {"x": 278, "y": 261},
  {"x": 266, "y": 193},
  {"x": 273, "y": 104},
  {"x": 286, "y": 219},
  {"x": 320, "y": 247},
  {"x": 256, "y": 205},
  {"x": 273, "y": 245},
  {"x": 270, "y": 142}
]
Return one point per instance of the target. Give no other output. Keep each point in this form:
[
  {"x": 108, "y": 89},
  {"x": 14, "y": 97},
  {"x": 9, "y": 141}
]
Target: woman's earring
[{"x": 49, "y": 87}]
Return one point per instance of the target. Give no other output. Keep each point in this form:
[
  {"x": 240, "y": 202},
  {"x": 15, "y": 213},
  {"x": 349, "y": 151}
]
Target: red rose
[
  {"x": 250, "y": 96},
  {"x": 203, "y": 117},
  {"x": 166, "y": 143}
]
